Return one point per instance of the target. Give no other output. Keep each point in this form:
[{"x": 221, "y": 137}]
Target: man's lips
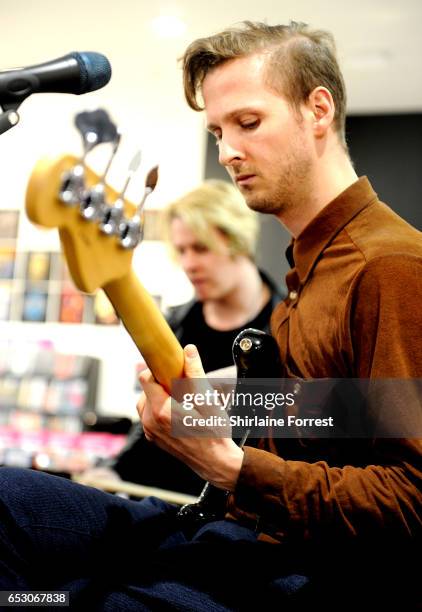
[
  {"x": 243, "y": 179},
  {"x": 198, "y": 281}
]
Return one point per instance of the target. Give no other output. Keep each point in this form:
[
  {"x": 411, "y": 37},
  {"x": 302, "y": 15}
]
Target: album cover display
[{"x": 9, "y": 221}]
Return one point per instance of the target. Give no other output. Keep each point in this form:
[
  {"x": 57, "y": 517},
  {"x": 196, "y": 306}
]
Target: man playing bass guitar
[{"x": 328, "y": 523}]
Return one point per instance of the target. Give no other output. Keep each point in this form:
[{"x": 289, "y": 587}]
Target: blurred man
[{"x": 213, "y": 236}]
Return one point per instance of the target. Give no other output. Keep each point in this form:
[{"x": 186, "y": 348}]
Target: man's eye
[
  {"x": 201, "y": 248},
  {"x": 250, "y": 125}
]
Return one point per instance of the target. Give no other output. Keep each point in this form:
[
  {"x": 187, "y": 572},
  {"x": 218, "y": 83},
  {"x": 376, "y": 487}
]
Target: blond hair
[
  {"x": 299, "y": 60},
  {"x": 215, "y": 205}
]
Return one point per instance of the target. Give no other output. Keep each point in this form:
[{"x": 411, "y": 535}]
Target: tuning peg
[
  {"x": 93, "y": 201},
  {"x": 113, "y": 215},
  {"x": 72, "y": 185},
  {"x": 150, "y": 184},
  {"x": 95, "y": 127},
  {"x": 131, "y": 230}
]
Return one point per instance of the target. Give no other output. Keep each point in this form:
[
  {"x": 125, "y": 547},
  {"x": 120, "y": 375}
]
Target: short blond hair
[
  {"x": 299, "y": 60},
  {"x": 215, "y": 205}
]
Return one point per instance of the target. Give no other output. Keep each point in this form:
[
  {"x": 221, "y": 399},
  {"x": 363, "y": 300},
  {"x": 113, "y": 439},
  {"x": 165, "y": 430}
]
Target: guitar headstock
[
  {"x": 99, "y": 228},
  {"x": 94, "y": 258}
]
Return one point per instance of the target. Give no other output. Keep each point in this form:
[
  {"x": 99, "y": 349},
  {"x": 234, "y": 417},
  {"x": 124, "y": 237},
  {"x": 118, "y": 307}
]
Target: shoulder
[
  {"x": 390, "y": 252},
  {"x": 386, "y": 316},
  {"x": 176, "y": 315},
  {"x": 379, "y": 232},
  {"x": 389, "y": 285},
  {"x": 391, "y": 273}
]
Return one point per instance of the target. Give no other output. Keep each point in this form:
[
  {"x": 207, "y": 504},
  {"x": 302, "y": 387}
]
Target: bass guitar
[{"x": 99, "y": 229}]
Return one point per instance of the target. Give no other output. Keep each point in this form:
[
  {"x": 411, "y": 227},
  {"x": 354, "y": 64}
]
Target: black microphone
[{"x": 75, "y": 73}]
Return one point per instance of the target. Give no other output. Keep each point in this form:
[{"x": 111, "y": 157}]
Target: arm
[
  {"x": 373, "y": 484},
  {"x": 217, "y": 459}
]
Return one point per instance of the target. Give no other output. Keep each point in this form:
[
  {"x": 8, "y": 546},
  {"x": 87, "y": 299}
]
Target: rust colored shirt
[{"x": 354, "y": 310}]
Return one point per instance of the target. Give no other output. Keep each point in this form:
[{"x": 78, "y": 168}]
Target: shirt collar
[{"x": 307, "y": 247}]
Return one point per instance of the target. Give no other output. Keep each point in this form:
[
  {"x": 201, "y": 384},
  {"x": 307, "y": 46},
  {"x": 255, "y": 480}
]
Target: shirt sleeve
[{"x": 381, "y": 489}]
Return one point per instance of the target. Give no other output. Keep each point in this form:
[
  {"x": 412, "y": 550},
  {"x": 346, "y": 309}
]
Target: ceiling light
[{"x": 168, "y": 26}]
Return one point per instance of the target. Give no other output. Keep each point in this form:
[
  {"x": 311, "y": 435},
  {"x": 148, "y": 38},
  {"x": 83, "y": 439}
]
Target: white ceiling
[{"x": 379, "y": 41}]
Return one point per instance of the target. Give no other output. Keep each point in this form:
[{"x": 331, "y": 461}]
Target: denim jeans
[{"x": 114, "y": 554}]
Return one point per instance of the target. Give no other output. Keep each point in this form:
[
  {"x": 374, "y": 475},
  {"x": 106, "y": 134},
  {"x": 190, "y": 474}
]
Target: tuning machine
[
  {"x": 95, "y": 127},
  {"x": 73, "y": 185},
  {"x": 93, "y": 202},
  {"x": 112, "y": 218},
  {"x": 113, "y": 215},
  {"x": 131, "y": 230}
]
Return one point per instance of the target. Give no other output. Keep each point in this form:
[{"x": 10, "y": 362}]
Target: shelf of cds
[
  {"x": 46, "y": 397},
  {"x": 35, "y": 286}
]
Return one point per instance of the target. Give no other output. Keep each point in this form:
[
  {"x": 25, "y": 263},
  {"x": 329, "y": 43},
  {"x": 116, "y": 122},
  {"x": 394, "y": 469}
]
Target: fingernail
[{"x": 191, "y": 351}]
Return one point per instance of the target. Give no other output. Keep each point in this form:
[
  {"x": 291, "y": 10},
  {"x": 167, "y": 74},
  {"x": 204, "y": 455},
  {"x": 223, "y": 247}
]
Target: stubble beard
[{"x": 287, "y": 192}]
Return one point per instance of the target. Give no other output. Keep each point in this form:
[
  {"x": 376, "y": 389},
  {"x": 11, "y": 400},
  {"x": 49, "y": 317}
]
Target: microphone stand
[{"x": 8, "y": 120}]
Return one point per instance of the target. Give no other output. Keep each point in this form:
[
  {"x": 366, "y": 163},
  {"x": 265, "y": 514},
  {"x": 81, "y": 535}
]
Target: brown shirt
[{"x": 354, "y": 310}]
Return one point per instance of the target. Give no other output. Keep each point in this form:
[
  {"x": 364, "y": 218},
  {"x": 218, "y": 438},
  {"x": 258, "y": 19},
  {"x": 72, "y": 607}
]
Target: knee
[
  {"x": 11, "y": 477},
  {"x": 18, "y": 477}
]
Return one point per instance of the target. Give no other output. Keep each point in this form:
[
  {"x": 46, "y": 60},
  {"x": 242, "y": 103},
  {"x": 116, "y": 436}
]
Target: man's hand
[{"x": 217, "y": 460}]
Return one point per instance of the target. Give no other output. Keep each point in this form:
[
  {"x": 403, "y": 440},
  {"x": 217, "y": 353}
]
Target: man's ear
[{"x": 321, "y": 105}]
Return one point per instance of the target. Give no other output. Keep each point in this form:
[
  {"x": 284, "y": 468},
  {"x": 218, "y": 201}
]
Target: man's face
[
  {"x": 213, "y": 273},
  {"x": 265, "y": 145}
]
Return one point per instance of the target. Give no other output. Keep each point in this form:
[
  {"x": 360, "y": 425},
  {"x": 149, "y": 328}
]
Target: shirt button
[{"x": 293, "y": 295}]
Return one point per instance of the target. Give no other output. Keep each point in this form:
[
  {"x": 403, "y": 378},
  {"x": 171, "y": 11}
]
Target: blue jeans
[
  {"x": 114, "y": 555},
  {"x": 117, "y": 555}
]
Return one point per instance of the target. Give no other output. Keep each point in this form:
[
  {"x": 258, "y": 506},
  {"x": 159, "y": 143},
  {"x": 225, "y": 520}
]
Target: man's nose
[
  {"x": 229, "y": 152},
  {"x": 189, "y": 261}
]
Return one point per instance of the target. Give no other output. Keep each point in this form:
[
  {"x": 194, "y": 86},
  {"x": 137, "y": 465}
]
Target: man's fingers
[
  {"x": 153, "y": 390},
  {"x": 153, "y": 405},
  {"x": 145, "y": 377},
  {"x": 140, "y": 406},
  {"x": 148, "y": 435},
  {"x": 193, "y": 364}
]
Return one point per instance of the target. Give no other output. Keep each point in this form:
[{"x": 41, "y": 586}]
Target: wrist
[{"x": 230, "y": 470}]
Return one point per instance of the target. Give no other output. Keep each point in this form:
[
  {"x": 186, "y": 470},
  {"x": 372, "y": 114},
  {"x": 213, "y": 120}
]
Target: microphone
[{"x": 75, "y": 73}]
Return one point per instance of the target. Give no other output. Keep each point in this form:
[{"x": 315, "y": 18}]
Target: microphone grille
[{"x": 95, "y": 70}]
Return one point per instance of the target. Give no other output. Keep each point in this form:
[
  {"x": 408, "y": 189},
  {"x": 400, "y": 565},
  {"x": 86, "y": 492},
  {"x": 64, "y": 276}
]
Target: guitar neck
[{"x": 147, "y": 327}]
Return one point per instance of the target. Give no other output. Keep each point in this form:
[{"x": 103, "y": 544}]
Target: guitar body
[{"x": 256, "y": 355}]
